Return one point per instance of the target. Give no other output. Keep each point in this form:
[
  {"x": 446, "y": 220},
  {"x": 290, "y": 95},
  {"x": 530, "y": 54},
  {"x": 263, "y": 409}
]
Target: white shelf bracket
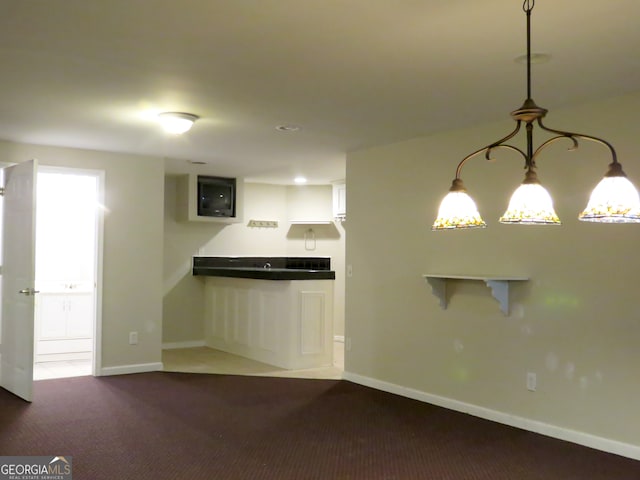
[
  {"x": 439, "y": 290},
  {"x": 500, "y": 291}
]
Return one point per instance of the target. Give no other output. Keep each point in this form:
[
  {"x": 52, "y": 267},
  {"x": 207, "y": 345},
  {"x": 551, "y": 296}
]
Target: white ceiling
[{"x": 351, "y": 73}]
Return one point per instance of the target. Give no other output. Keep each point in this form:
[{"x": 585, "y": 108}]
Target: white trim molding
[
  {"x": 125, "y": 369},
  {"x": 187, "y": 344},
  {"x": 573, "y": 436}
]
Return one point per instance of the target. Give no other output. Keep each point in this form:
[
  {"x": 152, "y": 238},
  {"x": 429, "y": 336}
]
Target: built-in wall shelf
[
  {"x": 187, "y": 199},
  {"x": 311, "y": 222},
  {"x": 499, "y": 285}
]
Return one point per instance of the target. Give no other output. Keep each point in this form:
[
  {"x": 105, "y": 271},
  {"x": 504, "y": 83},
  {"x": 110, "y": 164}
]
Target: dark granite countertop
[{"x": 265, "y": 268}]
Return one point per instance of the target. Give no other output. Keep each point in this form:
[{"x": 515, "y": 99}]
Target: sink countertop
[
  {"x": 265, "y": 268},
  {"x": 265, "y": 273}
]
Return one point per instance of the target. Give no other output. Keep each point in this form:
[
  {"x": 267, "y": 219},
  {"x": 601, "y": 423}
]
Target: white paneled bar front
[{"x": 287, "y": 323}]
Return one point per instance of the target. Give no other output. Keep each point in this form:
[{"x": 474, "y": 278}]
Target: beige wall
[
  {"x": 132, "y": 275},
  {"x": 183, "y": 294},
  {"x": 576, "y": 323}
]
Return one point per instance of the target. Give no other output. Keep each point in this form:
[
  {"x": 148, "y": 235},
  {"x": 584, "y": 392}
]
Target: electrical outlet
[
  {"x": 133, "y": 338},
  {"x": 531, "y": 382}
]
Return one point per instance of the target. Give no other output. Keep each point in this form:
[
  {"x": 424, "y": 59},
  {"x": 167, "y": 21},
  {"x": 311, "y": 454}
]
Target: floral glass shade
[
  {"x": 530, "y": 204},
  {"x": 458, "y": 210},
  {"x": 614, "y": 200}
]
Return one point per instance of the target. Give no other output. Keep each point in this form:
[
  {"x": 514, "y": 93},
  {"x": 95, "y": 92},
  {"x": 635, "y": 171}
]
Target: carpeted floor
[{"x": 174, "y": 425}]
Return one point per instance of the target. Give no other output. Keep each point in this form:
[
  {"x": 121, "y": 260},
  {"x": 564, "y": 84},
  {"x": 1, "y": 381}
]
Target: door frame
[{"x": 98, "y": 253}]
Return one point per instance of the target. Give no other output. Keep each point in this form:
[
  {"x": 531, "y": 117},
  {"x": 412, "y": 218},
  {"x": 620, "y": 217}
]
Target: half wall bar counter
[{"x": 276, "y": 310}]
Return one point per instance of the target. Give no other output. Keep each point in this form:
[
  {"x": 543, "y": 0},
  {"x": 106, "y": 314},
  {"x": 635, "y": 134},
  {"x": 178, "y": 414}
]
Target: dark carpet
[{"x": 223, "y": 427}]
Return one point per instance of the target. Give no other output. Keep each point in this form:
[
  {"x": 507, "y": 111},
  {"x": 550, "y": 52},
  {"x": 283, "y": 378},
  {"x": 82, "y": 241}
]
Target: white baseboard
[
  {"x": 580, "y": 438},
  {"x": 188, "y": 344},
  {"x": 124, "y": 369},
  {"x": 338, "y": 338}
]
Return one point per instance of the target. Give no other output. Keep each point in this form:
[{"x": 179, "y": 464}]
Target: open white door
[{"x": 18, "y": 279}]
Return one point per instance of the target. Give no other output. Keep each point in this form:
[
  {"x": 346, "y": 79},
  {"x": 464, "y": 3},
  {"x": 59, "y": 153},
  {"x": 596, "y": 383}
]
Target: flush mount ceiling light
[
  {"x": 177, "y": 123},
  {"x": 614, "y": 200}
]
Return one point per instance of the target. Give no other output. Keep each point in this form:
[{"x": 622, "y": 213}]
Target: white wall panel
[{"x": 312, "y": 322}]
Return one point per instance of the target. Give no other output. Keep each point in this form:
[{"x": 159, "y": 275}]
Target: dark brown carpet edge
[{"x": 179, "y": 425}]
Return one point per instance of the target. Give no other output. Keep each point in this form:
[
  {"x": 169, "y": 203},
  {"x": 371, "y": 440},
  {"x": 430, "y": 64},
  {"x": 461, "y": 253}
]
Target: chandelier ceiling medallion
[{"x": 613, "y": 200}]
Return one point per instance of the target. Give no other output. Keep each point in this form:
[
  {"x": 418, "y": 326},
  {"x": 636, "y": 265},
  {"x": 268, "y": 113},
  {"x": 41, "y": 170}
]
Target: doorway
[{"x": 68, "y": 246}]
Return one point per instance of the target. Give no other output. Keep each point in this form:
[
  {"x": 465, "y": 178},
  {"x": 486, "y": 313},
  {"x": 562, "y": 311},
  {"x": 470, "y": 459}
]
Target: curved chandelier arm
[
  {"x": 487, "y": 150},
  {"x": 574, "y": 138},
  {"x": 510, "y": 147}
]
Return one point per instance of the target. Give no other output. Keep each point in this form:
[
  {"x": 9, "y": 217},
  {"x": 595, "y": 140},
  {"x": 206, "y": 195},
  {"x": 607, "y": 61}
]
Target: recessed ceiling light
[
  {"x": 177, "y": 123},
  {"x": 300, "y": 180},
  {"x": 287, "y": 128}
]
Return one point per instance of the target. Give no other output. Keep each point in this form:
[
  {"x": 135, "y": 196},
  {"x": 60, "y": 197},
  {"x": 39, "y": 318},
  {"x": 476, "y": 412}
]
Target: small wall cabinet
[{"x": 340, "y": 201}]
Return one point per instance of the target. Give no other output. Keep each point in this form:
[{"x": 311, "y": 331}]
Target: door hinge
[
  {"x": 29, "y": 291},
  {"x": 1, "y": 191}
]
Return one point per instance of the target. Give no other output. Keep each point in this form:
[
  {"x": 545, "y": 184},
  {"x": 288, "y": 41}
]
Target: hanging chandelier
[{"x": 613, "y": 200}]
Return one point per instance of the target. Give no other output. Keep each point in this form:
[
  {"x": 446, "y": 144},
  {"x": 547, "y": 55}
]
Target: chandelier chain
[{"x": 529, "y": 6}]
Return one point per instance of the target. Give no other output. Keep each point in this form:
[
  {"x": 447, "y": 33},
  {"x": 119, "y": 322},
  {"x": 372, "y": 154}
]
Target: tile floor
[
  {"x": 208, "y": 360},
  {"x": 62, "y": 369},
  {"x": 202, "y": 360}
]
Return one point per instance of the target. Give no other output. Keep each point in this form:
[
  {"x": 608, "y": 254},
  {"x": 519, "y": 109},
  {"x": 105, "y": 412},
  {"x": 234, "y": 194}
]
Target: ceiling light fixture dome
[
  {"x": 614, "y": 200},
  {"x": 177, "y": 123}
]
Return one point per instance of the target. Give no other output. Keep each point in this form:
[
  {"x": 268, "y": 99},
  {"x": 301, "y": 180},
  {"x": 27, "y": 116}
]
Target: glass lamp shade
[
  {"x": 530, "y": 204},
  {"x": 458, "y": 210},
  {"x": 614, "y": 200}
]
